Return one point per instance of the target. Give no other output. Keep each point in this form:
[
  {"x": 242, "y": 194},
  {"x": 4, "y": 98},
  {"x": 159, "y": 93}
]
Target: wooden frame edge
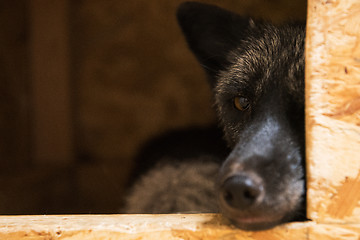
[{"x": 162, "y": 226}]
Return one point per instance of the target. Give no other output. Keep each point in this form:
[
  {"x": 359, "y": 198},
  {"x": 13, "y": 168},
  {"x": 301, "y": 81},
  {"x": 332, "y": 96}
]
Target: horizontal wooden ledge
[{"x": 162, "y": 226}]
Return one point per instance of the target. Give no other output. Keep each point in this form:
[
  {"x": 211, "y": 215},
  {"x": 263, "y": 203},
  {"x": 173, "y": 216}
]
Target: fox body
[{"x": 256, "y": 71}]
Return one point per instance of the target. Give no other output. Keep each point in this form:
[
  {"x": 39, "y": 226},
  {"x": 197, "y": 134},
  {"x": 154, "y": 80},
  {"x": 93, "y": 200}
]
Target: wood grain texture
[
  {"x": 333, "y": 110},
  {"x": 171, "y": 226},
  {"x": 334, "y": 232},
  {"x": 156, "y": 227}
]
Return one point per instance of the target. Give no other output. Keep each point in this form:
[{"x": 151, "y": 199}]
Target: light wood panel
[
  {"x": 155, "y": 227},
  {"x": 333, "y": 110},
  {"x": 170, "y": 226}
]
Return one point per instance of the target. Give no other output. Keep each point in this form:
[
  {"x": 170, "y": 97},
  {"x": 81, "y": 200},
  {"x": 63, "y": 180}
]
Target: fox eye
[{"x": 241, "y": 103}]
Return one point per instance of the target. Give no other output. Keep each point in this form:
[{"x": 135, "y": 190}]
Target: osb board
[
  {"x": 176, "y": 226},
  {"x": 334, "y": 231},
  {"x": 172, "y": 226},
  {"x": 333, "y": 110}
]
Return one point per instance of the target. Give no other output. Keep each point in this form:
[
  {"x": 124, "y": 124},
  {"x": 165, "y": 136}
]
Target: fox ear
[{"x": 211, "y": 33}]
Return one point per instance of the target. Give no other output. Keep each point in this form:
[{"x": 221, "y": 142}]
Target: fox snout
[
  {"x": 261, "y": 183},
  {"x": 242, "y": 190}
]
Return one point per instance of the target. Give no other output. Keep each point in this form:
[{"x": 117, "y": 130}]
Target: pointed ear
[{"x": 211, "y": 33}]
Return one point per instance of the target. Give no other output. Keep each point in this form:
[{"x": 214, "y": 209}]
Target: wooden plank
[
  {"x": 333, "y": 110},
  {"x": 51, "y": 90},
  {"x": 334, "y": 231},
  {"x": 170, "y": 226},
  {"x": 155, "y": 227}
]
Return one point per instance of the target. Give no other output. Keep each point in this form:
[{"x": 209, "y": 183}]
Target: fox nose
[{"x": 241, "y": 191}]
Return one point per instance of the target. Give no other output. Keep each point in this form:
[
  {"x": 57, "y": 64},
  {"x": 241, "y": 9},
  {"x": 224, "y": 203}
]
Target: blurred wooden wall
[{"x": 84, "y": 83}]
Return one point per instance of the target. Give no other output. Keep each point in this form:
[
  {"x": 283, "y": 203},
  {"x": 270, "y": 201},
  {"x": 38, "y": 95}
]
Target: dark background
[{"x": 84, "y": 83}]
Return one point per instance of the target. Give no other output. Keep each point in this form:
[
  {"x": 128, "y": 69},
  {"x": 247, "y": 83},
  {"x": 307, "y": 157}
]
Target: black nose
[{"x": 242, "y": 191}]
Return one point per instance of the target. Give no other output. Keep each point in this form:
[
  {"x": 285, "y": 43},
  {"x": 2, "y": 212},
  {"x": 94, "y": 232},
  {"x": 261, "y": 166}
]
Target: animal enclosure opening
[{"x": 82, "y": 181}]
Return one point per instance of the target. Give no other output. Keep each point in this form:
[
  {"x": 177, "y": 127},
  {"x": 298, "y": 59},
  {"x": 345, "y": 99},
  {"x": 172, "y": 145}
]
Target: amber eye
[{"x": 241, "y": 103}]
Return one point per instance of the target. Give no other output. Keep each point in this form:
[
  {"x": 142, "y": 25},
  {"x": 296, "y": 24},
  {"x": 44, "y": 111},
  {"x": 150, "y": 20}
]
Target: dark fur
[
  {"x": 261, "y": 183},
  {"x": 264, "y": 64}
]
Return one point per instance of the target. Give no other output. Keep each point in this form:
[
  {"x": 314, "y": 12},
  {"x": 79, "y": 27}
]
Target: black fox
[{"x": 256, "y": 71}]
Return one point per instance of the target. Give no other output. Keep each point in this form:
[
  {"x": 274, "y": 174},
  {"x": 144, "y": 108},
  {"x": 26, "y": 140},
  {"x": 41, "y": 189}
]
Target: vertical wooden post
[
  {"x": 51, "y": 91},
  {"x": 333, "y": 110}
]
